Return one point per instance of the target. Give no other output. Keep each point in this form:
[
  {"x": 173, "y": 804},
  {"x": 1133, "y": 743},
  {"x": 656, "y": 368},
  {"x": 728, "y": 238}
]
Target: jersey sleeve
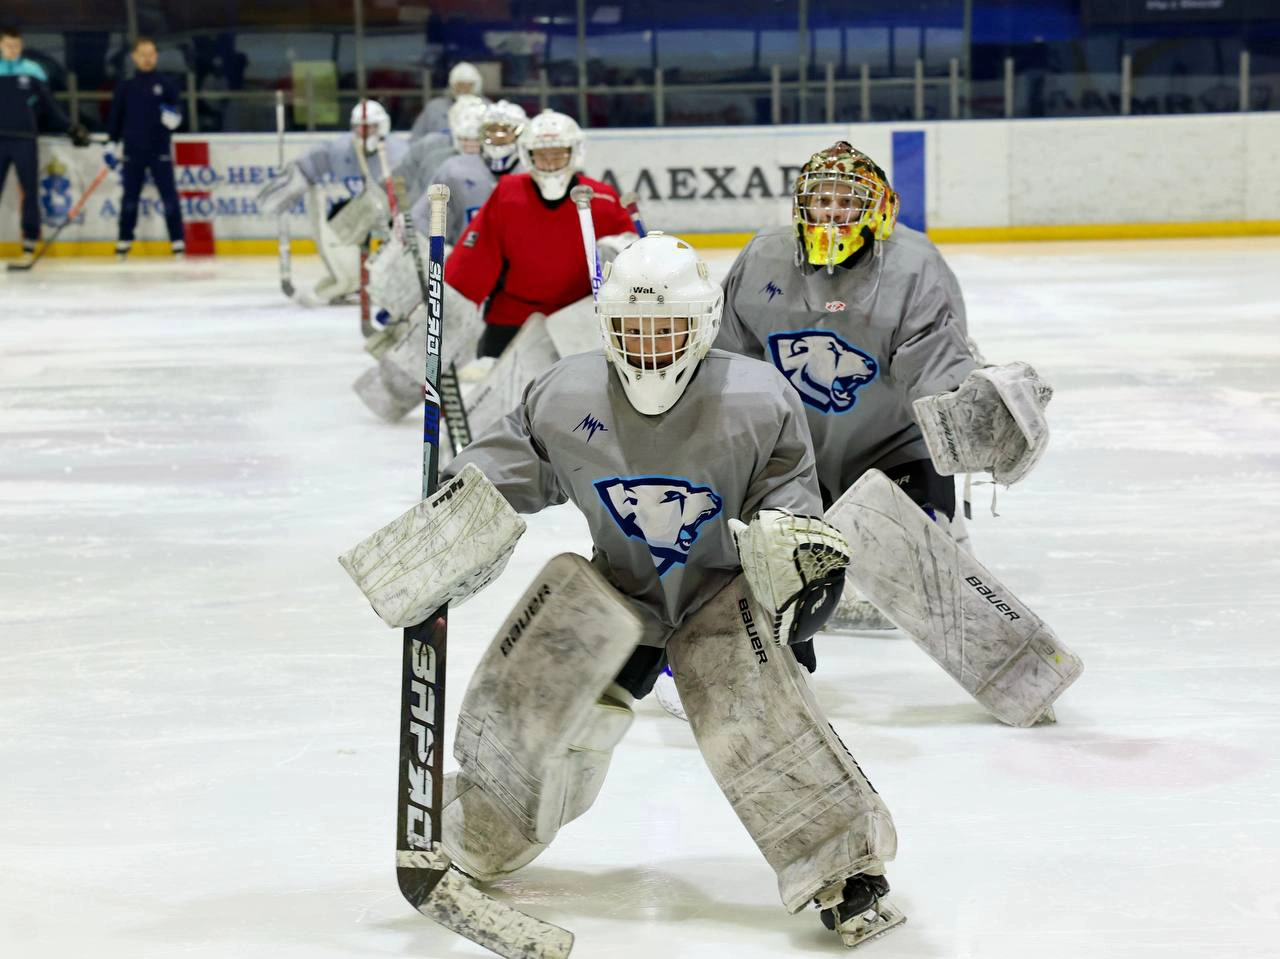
[
  {"x": 931, "y": 352},
  {"x": 55, "y": 119},
  {"x": 788, "y": 478},
  {"x": 115, "y": 121},
  {"x": 476, "y": 262},
  {"x": 513, "y": 459},
  {"x": 735, "y": 336},
  {"x": 610, "y": 218}
]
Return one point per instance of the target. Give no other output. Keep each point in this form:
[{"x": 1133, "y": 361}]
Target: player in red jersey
[{"x": 523, "y": 251}]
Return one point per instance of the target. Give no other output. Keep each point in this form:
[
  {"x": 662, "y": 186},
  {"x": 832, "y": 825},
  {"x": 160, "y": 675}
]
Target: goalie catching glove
[
  {"x": 993, "y": 422},
  {"x": 444, "y": 550},
  {"x": 795, "y": 566}
]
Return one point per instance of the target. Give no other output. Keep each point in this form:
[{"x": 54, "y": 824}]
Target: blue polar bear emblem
[
  {"x": 826, "y": 371},
  {"x": 666, "y": 512}
]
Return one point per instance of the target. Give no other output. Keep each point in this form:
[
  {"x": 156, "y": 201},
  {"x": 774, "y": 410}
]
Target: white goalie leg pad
[
  {"x": 993, "y": 422},
  {"x": 529, "y": 354},
  {"x": 444, "y": 550},
  {"x": 539, "y": 719},
  {"x": 575, "y": 328},
  {"x": 400, "y": 365},
  {"x": 390, "y": 398},
  {"x": 364, "y": 213},
  {"x": 341, "y": 260},
  {"x": 393, "y": 278},
  {"x": 789, "y": 778},
  {"x": 955, "y": 609}
]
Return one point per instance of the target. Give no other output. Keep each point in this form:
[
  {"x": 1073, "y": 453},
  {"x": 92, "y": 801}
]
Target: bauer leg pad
[
  {"x": 789, "y": 778},
  {"x": 540, "y": 719},
  {"x": 443, "y": 550},
  {"x": 955, "y": 609},
  {"x": 528, "y": 355}
]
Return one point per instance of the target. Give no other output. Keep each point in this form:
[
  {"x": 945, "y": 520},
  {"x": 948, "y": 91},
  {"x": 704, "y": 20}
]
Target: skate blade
[{"x": 883, "y": 918}]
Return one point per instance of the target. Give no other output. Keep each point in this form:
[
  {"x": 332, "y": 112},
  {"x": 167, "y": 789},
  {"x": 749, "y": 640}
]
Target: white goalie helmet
[
  {"x": 501, "y": 127},
  {"x": 461, "y": 75},
  {"x": 370, "y": 124},
  {"x": 464, "y": 123},
  {"x": 552, "y": 151},
  {"x": 659, "y": 313}
]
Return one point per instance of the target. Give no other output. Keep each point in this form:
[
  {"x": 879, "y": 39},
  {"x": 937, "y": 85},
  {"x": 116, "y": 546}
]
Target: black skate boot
[{"x": 857, "y": 909}]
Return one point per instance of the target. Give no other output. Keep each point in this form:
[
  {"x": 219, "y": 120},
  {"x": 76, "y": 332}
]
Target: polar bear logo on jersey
[
  {"x": 666, "y": 512},
  {"x": 826, "y": 371}
]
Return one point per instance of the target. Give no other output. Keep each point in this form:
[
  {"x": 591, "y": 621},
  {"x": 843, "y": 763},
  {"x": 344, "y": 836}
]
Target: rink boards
[{"x": 960, "y": 180}]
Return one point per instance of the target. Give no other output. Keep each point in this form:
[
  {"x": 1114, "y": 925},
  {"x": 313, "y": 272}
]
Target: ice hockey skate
[{"x": 857, "y": 910}]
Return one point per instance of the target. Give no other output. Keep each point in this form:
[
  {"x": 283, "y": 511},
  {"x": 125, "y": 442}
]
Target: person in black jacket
[
  {"x": 144, "y": 113},
  {"x": 24, "y": 93}
]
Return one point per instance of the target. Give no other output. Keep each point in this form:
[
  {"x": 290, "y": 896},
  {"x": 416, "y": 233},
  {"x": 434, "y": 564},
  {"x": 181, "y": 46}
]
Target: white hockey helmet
[
  {"x": 501, "y": 127},
  {"x": 464, "y": 122},
  {"x": 552, "y": 151},
  {"x": 659, "y": 313},
  {"x": 370, "y": 124},
  {"x": 465, "y": 74}
]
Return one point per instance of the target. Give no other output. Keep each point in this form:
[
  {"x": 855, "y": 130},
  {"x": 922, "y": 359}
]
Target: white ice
[{"x": 198, "y": 710}]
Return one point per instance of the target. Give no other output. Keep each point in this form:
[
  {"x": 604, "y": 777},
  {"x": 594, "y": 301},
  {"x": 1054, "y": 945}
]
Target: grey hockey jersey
[
  {"x": 657, "y": 491},
  {"x": 419, "y": 164},
  {"x": 336, "y": 160},
  {"x": 857, "y": 346},
  {"x": 470, "y": 181},
  {"x": 434, "y": 118}
]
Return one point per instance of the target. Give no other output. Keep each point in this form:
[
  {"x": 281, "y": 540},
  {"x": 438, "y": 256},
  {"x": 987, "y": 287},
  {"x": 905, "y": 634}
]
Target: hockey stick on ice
[
  {"x": 582, "y": 196},
  {"x": 366, "y": 321},
  {"x": 631, "y": 203},
  {"x": 71, "y": 215},
  {"x": 455, "y": 413},
  {"x": 282, "y": 218},
  {"x": 426, "y": 878}
]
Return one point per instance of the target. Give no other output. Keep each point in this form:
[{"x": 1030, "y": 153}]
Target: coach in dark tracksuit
[
  {"x": 24, "y": 92},
  {"x": 144, "y": 114}
]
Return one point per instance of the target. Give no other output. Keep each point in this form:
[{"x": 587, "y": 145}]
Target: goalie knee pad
[
  {"x": 791, "y": 781},
  {"x": 538, "y": 722}
]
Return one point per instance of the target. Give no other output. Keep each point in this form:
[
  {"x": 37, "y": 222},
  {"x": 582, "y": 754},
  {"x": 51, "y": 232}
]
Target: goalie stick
[
  {"x": 71, "y": 215},
  {"x": 366, "y": 321},
  {"x": 455, "y": 413},
  {"x": 582, "y": 196},
  {"x": 282, "y": 218},
  {"x": 631, "y": 203},
  {"x": 426, "y": 878}
]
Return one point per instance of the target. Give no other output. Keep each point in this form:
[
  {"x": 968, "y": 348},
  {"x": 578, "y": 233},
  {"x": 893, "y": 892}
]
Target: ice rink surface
[{"x": 198, "y": 711}]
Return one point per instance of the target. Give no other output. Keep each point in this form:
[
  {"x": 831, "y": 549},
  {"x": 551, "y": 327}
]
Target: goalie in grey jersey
[
  {"x": 708, "y": 556},
  {"x": 339, "y": 227},
  {"x": 866, "y": 321}
]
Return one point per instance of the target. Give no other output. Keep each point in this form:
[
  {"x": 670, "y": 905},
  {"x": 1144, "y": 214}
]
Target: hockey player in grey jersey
[
  {"x": 464, "y": 80},
  {"x": 866, "y": 321},
  {"x": 417, "y": 169},
  {"x": 714, "y": 562},
  {"x": 472, "y": 175},
  {"x": 337, "y": 162}
]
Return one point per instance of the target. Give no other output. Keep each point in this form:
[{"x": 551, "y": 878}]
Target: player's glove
[
  {"x": 171, "y": 118},
  {"x": 111, "y": 156},
  {"x": 795, "y": 567},
  {"x": 79, "y": 134}
]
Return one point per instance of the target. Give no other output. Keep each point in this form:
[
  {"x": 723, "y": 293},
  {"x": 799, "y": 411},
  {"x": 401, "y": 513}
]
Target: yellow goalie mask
[{"x": 842, "y": 202}]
